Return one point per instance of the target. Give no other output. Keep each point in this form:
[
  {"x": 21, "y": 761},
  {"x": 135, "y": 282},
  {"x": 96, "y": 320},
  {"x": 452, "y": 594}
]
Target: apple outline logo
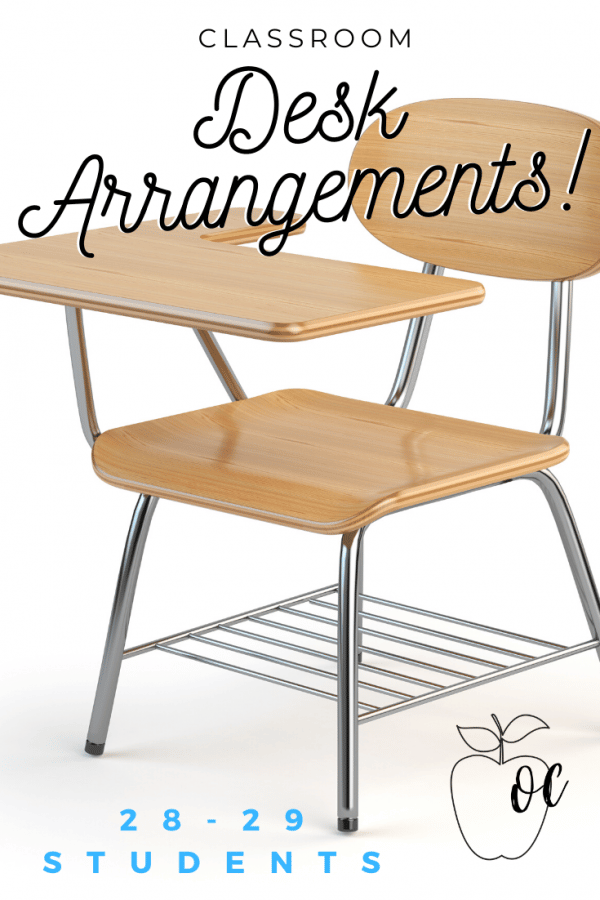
[{"x": 471, "y": 787}]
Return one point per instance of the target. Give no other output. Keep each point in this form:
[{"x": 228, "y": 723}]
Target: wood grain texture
[
  {"x": 236, "y": 231},
  {"x": 174, "y": 277},
  {"x": 548, "y": 244},
  {"x": 315, "y": 461}
]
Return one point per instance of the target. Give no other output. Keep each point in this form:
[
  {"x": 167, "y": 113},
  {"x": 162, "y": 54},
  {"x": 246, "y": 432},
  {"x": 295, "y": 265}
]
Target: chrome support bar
[
  {"x": 360, "y": 587},
  {"x": 480, "y": 679},
  {"x": 559, "y": 350},
  {"x": 83, "y": 383},
  {"x": 81, "y": 374},
  {"x": 347, "y": 705},
  {"x": 412, "y": 353},
  {"x": 574, "y": 549},
  {"x": 219, "y": 363},
  {"x": 119, "y": 623}
]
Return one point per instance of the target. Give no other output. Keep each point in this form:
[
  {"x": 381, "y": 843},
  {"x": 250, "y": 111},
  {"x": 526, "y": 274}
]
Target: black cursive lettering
[
  {"x": 68, "y": 200},
  {"x": 230, "y": 133}
]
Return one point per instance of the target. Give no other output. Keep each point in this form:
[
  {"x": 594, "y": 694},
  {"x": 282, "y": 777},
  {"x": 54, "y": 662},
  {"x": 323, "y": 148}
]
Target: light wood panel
[
  {"x": 548, "y": 244},
  {"x": 235, "y": 231},
  {"x": 174, "y": 277},
  {"x": 315, "y": 461}
]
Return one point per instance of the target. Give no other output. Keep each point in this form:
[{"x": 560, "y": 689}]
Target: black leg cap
[
  {"x": 347, "y": 825},
  {"x": 94, "y": 749}
]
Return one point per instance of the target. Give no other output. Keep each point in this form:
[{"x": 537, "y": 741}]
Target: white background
[{"x": 129, "y": 80}]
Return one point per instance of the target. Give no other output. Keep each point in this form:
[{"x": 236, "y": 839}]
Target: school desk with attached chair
[{"x": 328, "y": 464}]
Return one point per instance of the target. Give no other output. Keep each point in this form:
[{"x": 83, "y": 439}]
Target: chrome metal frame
[
  {"x": 218, "y": 361},
  {"x": 119, "y": 623},
  {"x": 323, "y": 629},
  {"x": 412, "y": 353},
  {"x": 81, "y": 374},
  {"x": 573, "y": 545},
  {"x": 347, "y": 674},
  {"x": 350, "y": 620},
  {"x": 453, "y": 658},
  {"x": 559, "y": 352},
  {"x": 83, "y": 381}
]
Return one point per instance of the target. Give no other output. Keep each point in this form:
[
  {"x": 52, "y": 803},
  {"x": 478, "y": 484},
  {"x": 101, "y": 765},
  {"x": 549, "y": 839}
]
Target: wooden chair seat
[{"x": 315, "y": 461}]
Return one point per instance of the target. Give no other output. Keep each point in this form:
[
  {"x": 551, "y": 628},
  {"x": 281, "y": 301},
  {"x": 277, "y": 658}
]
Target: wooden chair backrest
[{"x": 551, "y": 243}]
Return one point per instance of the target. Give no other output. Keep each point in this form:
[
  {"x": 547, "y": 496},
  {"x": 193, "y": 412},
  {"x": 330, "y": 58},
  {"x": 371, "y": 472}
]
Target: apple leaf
[
  {"x": 521, "y": 726},
  {"x": 482, "y": 739}
]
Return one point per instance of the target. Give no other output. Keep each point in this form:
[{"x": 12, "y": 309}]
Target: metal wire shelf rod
[
  {"x": 230, "y": 620},
  {"x": 480, "y": 679},
  {"x": 270, "y": 678},
  {"x": 322, "y": 673},
  {"x": 433, "y": 632},
  {"x": 465, "y": 622},
  {"x": 400, "y": 640},
  {"x": 376, "y": 670},
  {"x": 383, "y": 653}
]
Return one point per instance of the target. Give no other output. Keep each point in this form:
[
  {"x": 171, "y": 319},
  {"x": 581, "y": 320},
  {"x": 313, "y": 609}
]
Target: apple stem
[{"x": 500, "y": 733}]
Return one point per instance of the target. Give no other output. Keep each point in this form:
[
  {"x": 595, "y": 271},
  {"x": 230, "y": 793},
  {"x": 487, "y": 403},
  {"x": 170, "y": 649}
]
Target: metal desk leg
[
  {"x": 348, "y": 681},
  {"x": 119, "y": 622},
  {"x": 573, "y": 545},
  {"x": 360, "y": 580}
]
